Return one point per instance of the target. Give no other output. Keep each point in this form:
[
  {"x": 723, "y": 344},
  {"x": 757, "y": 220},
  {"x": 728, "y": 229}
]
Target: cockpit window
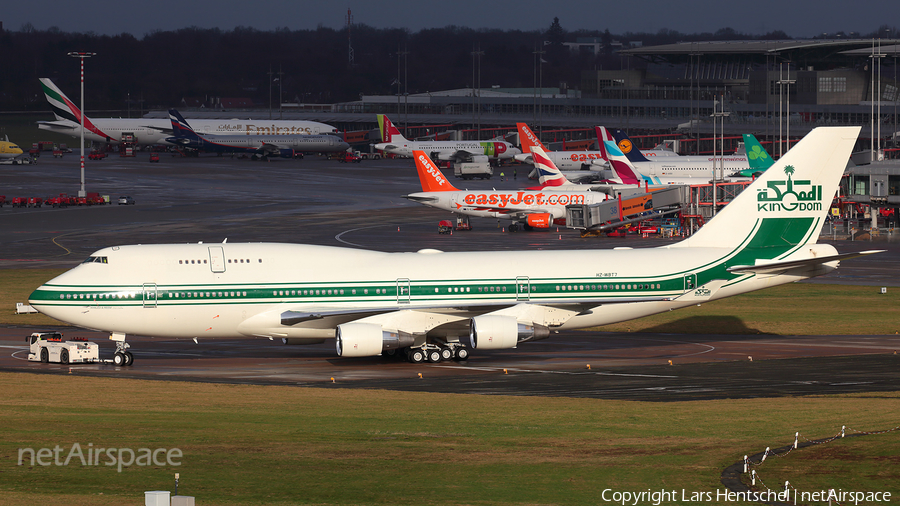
[{"x": 99, "y": 260}]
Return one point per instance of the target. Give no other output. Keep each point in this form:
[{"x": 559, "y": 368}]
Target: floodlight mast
[{"x": 82, "y": 55}]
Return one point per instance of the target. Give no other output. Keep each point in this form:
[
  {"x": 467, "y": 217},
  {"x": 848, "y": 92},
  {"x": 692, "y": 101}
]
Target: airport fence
[{"x": 751, "y": 463}]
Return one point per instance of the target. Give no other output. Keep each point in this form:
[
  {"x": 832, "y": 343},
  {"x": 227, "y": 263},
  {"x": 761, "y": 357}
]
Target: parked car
[
  {"x": 126, "y": 200},
  {"x": 154, "y": 157}
]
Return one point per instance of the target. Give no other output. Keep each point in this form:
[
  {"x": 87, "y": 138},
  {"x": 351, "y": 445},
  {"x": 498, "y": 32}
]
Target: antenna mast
[{"x": 349, "y": 42}]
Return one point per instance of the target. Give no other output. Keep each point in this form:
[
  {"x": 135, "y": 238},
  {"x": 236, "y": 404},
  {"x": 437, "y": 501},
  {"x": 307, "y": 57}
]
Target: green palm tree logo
[
  {"x": 789, "y": 170},
  {"x": 757, "y": 152}
]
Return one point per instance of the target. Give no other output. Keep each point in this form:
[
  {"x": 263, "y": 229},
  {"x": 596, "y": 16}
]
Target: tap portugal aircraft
[
  {"x": 392, "y": 141},
  {"x": 435, "y": 305}
]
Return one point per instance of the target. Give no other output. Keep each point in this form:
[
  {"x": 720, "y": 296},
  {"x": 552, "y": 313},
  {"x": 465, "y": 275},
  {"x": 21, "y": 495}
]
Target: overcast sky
[{"x": 797, "y": 18}]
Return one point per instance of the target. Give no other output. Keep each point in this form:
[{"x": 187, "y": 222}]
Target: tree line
[{"x": 313, "y": 66}]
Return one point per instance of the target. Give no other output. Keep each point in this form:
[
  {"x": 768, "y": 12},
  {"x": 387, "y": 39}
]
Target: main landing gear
[{"x": 435, "y": 354}]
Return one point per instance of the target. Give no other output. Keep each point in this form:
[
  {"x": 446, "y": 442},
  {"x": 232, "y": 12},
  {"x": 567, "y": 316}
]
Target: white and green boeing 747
[{"x": 433, "y": 305}]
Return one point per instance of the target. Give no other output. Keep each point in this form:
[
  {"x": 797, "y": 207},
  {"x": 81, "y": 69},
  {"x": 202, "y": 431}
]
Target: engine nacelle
[
  {"x": 357, "y": 339},
  {"x": 539, "y": 220},
  {"x": 286, "y": 153},
  {"x": 497, "y": 332}
]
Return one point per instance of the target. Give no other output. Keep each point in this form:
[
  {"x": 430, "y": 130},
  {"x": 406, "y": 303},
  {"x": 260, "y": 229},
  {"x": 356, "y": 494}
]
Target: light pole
[{"x": 82, "y": 56}]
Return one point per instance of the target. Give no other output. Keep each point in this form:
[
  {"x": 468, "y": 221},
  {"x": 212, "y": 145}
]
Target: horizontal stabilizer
[{"x": 776, "y": 267}]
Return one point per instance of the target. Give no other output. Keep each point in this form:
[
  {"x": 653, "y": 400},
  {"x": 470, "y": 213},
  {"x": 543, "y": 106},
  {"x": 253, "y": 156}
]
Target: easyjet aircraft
[
  {"x": 147, "y": 131},
  {"x": 434, "y": 305},
  {"x": 531, "y": 209},
  {"x": 459, "y": 151}
]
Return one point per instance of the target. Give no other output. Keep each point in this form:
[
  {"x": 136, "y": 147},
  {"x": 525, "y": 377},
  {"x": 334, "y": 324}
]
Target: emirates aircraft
[
  {"x": 432, "y": 305},
  {"x": 147, "y": 131},
  {"x": 457, "y": 151}
]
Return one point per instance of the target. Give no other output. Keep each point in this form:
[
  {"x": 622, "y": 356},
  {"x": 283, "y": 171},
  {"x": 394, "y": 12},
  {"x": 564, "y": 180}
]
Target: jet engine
[
  {"x": 497, "y": 332},
  {"x": 539, "y": 220},
  {"x": 358, "y": 339},
  {"x": 286, "y": 153}
]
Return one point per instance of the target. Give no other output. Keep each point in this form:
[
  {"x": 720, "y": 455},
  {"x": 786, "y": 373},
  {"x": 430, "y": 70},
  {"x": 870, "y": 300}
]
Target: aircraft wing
[
  {"x": 167, "y": 131},
  {"x": 423, "y": 319},
  {"x": 461, "y": 155},
  {"x": 777, "y": 267}
]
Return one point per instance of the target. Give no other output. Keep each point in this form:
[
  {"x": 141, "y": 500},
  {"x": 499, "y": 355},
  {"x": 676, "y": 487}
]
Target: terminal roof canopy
[{"x": 806, "y": 52}]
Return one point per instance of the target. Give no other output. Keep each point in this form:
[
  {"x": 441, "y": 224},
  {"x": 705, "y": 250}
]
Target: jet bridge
[
  {"x": 628, "y": 208},
  {"x": 696, "y": 204}
]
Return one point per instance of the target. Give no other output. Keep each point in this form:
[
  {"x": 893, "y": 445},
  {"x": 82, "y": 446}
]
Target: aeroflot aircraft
[
  {"x": 435, "y": 305},
  {"x": 459, "y": 151},
  {"x": 533, "y": 209},
  {"x": 148, "y": 131}
]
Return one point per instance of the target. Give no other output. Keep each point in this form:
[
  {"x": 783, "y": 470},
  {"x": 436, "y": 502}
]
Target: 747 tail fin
[{"x": 785, "y": 207}]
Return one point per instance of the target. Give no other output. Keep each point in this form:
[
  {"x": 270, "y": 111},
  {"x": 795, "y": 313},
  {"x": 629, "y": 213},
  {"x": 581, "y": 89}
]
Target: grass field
[
  {"x": 284, "y": 445},
  {"x": 794, "y": 309}
]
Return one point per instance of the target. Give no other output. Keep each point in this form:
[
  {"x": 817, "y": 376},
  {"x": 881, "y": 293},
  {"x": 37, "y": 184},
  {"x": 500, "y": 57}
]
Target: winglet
[{"x": 430, "y": 176}]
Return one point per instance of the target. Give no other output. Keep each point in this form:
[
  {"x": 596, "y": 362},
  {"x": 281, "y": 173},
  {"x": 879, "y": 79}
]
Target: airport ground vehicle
[
  {"x": 126, "y": 200},
  {"x": 97, "y": 155},
  {"x": 57, "y": 153},
  {"x": 35, "y": 202},
  {"x": 445, "y": 227},
  {"x": 19, "y": 202},
  {"x": 368, "y": 156},
  {"x": 49, "y": 347},
  {"x": 2, "y": 200},
  {"x": 349, "y": 157},
  {"x": 471, "y": 170},
  {"x": 154, "y": 157}
]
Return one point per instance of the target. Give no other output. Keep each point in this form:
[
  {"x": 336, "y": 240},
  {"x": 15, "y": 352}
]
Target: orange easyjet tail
[
  {"x": 430, "y": 176},
  {"x": 528, "y": 139}
]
